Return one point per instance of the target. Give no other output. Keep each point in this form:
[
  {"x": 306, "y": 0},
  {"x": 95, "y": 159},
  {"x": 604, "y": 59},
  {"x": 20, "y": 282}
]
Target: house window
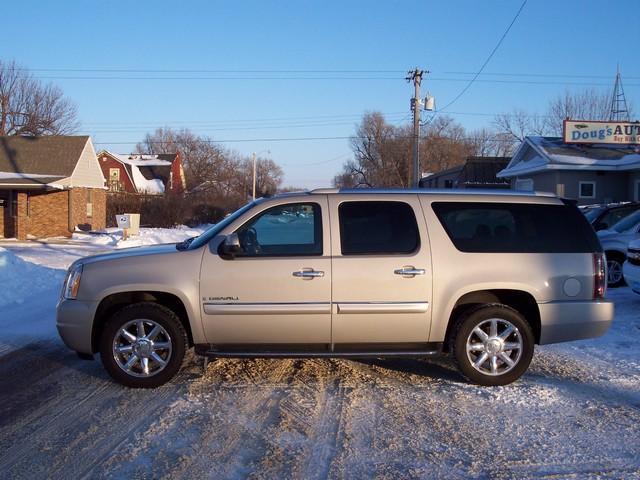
[
  {"x": 448, "y": 184},
  {"x": 587, "y": 189},
  {"x": 114, "y": 180},
  {"x": 89, "y": 202},
  {"x": 28, "y": 204},
  {"x": 13, "y": 204},
  {"x": 524, "y": 184}
]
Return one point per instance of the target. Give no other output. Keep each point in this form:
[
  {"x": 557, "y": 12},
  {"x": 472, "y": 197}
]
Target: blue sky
[{"x": 578, "y": 43}]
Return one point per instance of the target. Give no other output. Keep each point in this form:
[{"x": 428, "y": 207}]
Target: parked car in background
[
  {"x": 631, "y": 267},
  {"x": 348, "y": 273},
  {"x": 602, "y": 217},
  {"x": 614, "y": 243}
]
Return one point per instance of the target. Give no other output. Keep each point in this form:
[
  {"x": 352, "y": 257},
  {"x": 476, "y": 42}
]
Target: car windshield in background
[
  {"x": 593, "y": 213},
  {"x": 208, "y": 234},
  {"x": 627, "y": 223}
]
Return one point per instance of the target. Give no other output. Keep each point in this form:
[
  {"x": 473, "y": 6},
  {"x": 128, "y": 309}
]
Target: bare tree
[
  {"x": 588, "y": 104},
  {"x": 382, "y": 152},
  {"x": 518, "y": 124},
  {"x": 218, "y": 175},
  {"x": 27, "y": 107}
]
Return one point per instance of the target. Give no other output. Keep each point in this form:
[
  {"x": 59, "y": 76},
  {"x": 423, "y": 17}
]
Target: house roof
[
  {"x": 538, "y": 154},
  {"x": 54, "y": 156},
  {"x": 483, "y": 171},
  {"x": 475, "y": 171}
]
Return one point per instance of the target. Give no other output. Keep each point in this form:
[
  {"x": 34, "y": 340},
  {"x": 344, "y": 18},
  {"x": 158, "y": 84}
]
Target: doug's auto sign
[{"x": 623, "y": 133}]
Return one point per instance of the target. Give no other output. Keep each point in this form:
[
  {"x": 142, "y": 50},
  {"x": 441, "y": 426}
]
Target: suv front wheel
[
  {"x": 493, "y": 345},
  {"x": 143, "y": 345}
]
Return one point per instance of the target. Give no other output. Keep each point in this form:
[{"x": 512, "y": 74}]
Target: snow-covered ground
[{"x": 575, "y": 414}]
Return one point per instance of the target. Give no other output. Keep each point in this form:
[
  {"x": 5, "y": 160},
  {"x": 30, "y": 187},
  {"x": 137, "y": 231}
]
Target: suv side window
[
  {"x": 293, "y": 229},
  {"x": 516, "y": 228},
  {"x": 377, "y": 228}
]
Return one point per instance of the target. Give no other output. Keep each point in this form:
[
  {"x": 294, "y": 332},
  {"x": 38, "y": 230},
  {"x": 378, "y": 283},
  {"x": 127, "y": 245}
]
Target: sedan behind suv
[
  {"x": 614, "y": 242},
  {"x": 603, "y": 217},
  {"x": 631, "y": 267}
]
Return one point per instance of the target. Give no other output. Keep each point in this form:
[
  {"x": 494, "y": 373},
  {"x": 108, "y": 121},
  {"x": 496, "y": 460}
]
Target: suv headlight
[{"x": 72, "y": 282}]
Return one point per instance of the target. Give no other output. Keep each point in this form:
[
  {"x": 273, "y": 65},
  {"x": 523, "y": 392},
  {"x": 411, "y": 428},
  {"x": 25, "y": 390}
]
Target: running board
[{"x": 207, "y": 352}]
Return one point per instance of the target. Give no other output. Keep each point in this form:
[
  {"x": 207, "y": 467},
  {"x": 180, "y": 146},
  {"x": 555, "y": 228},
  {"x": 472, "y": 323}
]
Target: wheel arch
[
  {"x": 519, "y": 300},
  {"x": 114, "y": 302}
]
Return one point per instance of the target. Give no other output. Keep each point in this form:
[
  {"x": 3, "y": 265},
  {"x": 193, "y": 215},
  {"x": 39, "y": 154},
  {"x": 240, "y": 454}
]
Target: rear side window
[
  {"x": 516, "y": 228},
  {"x": 377, "y": 228}
]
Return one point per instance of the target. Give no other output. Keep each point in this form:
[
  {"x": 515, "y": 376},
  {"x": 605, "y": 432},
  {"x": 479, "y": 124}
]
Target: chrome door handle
[
  {"x": 409, "y": 271},
  {"x": 308, "y": 274}
]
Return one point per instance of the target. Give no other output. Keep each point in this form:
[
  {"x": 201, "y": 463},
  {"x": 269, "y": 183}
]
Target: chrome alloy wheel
[
  {"x": 142, "y": 348},
  {"x": 614, "y": 272},
  {"x": 494, "y": 346}
]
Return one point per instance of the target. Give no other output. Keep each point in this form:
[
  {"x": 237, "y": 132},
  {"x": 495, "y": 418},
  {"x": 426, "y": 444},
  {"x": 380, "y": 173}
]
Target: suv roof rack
[{"x": 449, "y": 191}]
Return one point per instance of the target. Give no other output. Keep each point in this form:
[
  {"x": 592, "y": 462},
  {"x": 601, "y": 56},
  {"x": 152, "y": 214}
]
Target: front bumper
[
  {"x": 74, "y": 319},
  {"x": 566, "y": 321},
  {"x": 632, "y": 276}
]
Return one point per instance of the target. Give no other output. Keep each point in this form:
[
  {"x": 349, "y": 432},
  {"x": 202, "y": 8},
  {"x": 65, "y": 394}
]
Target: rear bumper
[
  {"x": 74, "y": 319},
  {"x": 632, "y": 276},
  {"x": 566, "y": 321}
]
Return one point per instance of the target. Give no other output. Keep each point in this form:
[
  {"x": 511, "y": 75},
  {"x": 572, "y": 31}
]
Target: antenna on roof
[{"x": 619, "y": 110}]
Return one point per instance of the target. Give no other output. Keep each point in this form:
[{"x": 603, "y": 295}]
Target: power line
[
  {"x": 129, "y": 70},
  {"x": 338, "y": 78},
  {"x": 396, "y": 117},
  {"x": 550, "y": 75},
  {"x": 288, "y": 139},
  {"x": 495, "y": 49},
  {"x": 303, "y": 71},
  {"x": 215, "y": 128},
  {"x": 252, "y": 120}
]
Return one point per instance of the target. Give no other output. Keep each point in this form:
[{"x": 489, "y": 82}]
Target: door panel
[
  {"x": 376, "y": 299},
  {"x": 269, "y": 299}
]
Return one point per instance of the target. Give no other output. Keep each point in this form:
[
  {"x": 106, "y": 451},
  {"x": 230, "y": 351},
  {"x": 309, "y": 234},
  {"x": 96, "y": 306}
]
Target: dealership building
[{"x": 594, "y": 162}]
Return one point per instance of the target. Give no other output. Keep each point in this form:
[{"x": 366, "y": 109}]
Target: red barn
[{"x": 156, "y": 174}]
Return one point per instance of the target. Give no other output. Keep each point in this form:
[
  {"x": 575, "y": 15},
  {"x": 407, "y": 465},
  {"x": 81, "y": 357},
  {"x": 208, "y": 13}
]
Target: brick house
[
  {"x": 49, "y": 186},
  {"x": 145, "y": 174}
]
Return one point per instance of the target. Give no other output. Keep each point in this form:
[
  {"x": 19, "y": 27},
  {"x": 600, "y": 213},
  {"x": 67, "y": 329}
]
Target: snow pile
[
  {"x": 148, "y": 236},
  {"x": 144, "y": 185},
  {"x": 24, "y": 282}
]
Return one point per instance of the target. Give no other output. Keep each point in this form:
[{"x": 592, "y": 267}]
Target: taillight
[{"x": 599, "y": 275}]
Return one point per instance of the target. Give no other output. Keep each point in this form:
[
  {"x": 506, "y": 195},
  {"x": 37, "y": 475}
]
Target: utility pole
[
  {"x": 415, "y": 76},
  {"x": 254, "y": 175}
]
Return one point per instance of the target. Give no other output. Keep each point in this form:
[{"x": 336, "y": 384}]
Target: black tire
[
  {"x": 615, "y": 261},
  {"x": 173, "y": 329},
  {"x": 481, "y": 316}
]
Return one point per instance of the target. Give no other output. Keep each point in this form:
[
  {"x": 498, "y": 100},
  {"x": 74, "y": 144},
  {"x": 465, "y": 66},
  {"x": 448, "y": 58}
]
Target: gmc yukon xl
[{"x": 480, "y": 276}]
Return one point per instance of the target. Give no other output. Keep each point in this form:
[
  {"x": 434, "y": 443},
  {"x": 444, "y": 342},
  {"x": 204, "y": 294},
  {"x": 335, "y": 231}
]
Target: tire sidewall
[
  {"x": 161, "y": 315},
  {"x": 470, "y": 321}
]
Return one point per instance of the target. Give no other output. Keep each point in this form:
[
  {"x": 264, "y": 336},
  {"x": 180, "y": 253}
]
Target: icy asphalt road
[{"x": 575, "y": 414}]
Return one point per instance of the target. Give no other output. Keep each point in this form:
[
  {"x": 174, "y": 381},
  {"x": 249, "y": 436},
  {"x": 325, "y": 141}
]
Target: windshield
[
  {"x": 592, "y": 213},
  {"x": 627, "y": 222},
  {"x": 208, "y": 234}
]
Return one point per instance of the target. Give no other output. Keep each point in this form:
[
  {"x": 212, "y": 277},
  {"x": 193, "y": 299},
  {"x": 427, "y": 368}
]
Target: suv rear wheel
[
  {"x": 493, "y": 345},
  {"x": 143, "y": 345}
]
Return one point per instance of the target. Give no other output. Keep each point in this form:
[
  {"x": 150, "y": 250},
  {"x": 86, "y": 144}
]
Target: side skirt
[{"x": 319, "y": 351}]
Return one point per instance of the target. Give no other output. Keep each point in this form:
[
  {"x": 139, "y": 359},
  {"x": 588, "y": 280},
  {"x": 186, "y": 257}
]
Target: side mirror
[{"x": 230, "y": 247}]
